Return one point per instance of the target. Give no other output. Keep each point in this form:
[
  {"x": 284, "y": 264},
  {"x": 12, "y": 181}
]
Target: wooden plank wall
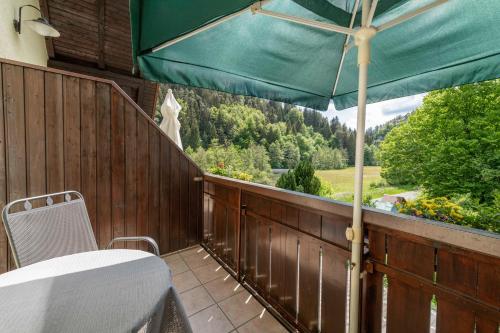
[
  {"x": 422, "y": 277},
  {"x": 291, "y": 249},
  {"x": 64, "y": 131},
  {"x": 284, "y": 251}
]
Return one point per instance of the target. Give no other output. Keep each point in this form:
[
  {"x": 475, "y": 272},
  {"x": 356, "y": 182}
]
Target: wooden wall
[
  {"x": 283, "y": 250},
  {"x": 64, "y": 131},
  {"x": 291, "y": 249}
]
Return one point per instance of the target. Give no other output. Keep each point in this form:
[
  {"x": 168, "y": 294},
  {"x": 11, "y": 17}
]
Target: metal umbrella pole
[{"x": 355, "y": 234}]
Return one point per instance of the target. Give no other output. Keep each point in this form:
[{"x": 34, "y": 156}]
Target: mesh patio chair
[{"x": 38, "y": 228}]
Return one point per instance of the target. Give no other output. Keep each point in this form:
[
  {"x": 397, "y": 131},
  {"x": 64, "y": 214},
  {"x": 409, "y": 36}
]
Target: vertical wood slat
[
  {"x": 232, "y": 235},
  {"x": 154, "y": 180},
  {"x": 250, "y": 249},
  {"x": 447, "y": 318},
  {"x": 130, "y": 174},
  {"x": 104, "y": 221},
  {"x": 262, "y": 249},
  {"x": 71, "y": 108},
  {"x": 193, "y": 218},
  {"x": 118, "y": 166},
  {"x": 174, "y": 200},
  {"x": 408, "y": 308},
  {"x": 142, "y": 178},
  {"x": 89, "y": 149},
  {"x": 460, "y": 273},
  {"x": 15, "y": 130},
  {"x": 184, "y": 202},
  {"x": 35, "y": 133},
  {"x": 13, "y": 88},
  {"x": 309, "y": 283},
  {"x": 290, "y": 268},
  {"x": 4, "y": 252},
  {"x": 164, "y": 195},
  {"x": 60, "y": 130},
  {"x": 333, "y": 303},
  {"x": 373, "y": 286},
  {"x": 54, "y": 128},
  {"x": 277, "y": 259}
]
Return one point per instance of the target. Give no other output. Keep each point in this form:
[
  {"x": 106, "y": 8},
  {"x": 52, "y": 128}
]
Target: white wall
[{"x": 28, "y": 46}]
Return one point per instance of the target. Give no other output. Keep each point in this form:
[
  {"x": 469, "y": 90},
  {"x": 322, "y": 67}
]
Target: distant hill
[{"x": 199, "y": 128}]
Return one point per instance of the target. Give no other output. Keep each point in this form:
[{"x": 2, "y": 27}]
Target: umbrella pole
[{"x": 355, "y": 234}]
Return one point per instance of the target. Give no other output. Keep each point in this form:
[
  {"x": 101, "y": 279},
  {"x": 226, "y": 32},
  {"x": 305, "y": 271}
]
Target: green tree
[
  {"x": 276, "y": 155},
  {"x": 291, "y": 154},
  {"x": 326, "y": 158},
  {"x": 301, "y": 179},
  {"x": 450, "y": 145},
  {"x": 371, "y": 153},
  {"x": 295, "y": 121},
  {"x": 248, "y": 163}
]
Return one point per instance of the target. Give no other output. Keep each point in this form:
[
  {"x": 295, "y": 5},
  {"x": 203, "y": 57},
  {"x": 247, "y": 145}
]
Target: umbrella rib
[
  {"x": 410, "y": 15},
  {"x": 405, "y": 17},
  {"x": 207, "y": 27},
  {"x": 353, "y": 17},
  {"x": 306, "y": 22},
  {"x": 371, "y": 14},
  {"x": 256, "y": 8}
]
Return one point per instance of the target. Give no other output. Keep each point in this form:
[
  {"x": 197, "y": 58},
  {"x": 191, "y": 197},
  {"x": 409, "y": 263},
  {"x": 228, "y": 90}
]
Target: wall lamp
[{"x": 40, "y": 25}]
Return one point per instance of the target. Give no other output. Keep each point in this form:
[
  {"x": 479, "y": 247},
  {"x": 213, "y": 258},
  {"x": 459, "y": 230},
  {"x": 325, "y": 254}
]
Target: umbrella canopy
[
  {"x": 455, "y": 43},
  {"x": 170, "y": 112},
  {"x": 300, "y": 52}
]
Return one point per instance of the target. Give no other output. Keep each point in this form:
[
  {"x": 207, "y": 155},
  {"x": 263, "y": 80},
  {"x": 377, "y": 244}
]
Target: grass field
[{"x": 343, "y": 183}]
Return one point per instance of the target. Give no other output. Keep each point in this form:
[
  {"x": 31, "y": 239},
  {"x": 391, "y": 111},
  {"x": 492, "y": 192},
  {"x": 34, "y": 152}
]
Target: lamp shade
[{"x": 42, "y": 27}]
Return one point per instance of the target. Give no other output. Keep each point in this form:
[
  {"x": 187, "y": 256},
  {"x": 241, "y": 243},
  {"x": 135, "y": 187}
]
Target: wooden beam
[
  {"x": 127, "y": 82},
  {"x": 101, "y": 18},
  {"x": 109, "y": 73}
]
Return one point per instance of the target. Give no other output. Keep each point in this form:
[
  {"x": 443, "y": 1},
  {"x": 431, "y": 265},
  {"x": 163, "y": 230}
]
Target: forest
[
  {"x": 218, "y": 127},
  {"x": 447, "y": 149}
]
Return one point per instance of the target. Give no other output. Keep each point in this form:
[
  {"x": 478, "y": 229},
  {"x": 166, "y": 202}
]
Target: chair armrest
[{"x": 149, "y": 240}]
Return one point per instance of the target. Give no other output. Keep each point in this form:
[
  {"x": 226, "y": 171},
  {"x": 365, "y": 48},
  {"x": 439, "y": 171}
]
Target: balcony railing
[
  {"x": 291, "y": 249},
  {"x": 66, "y": 131}
]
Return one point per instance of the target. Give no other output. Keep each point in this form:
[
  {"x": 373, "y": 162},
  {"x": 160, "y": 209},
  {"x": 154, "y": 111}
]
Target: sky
[{"x": 377, "y": 113}]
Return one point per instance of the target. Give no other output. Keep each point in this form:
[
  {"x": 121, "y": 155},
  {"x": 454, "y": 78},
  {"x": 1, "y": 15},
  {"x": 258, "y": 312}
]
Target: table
[{"x": 98, "y": 291}]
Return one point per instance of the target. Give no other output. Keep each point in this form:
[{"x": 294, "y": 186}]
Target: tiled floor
[{"x": 214, "y": 301}]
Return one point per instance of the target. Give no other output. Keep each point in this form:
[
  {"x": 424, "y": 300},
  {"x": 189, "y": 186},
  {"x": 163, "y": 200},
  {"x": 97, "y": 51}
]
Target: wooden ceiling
[{"x": 95, "y": 40}]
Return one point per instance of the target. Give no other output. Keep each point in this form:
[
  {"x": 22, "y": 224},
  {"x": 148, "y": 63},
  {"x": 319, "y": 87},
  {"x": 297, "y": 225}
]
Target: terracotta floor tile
[
  {"x": 210, "y": 320},
  {"x": 171, "y": 258},
  {"x": 240, "y": 308},
  {"x": 185, "y": 281},
  {"x": 194, "y": 250},
  {"x": 195, "y": 300},
  {"x": 198, "y": 259},
  {"x": 265, "y": 323},
  {"x": 223, "y": 287},
  {"x": 209, "y": 272},
  {"x": 178, "y": 267}
]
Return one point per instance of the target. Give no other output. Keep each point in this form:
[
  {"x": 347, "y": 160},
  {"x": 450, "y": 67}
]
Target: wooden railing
[
  {"x": 64, "y": 131},
  {"x": 291, "y": 249}
]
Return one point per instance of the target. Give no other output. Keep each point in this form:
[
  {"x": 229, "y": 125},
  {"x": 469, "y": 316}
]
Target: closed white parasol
[{"x": 170, "y": 124}]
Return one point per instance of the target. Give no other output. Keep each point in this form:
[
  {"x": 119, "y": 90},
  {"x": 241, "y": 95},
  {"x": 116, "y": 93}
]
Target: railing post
[{"x": 238, "y": 238}]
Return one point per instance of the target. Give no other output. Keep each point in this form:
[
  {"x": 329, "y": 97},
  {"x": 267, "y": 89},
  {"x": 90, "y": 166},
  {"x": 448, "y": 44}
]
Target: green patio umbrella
[{"x": 309, "y": 52}]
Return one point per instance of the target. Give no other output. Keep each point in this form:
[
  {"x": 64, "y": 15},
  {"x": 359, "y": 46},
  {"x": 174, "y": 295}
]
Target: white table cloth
[{"x": 98, "y": 291}]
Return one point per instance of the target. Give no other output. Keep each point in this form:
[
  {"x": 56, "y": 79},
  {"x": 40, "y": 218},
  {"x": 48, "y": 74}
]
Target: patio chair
[{"x": 40, "y": 230}]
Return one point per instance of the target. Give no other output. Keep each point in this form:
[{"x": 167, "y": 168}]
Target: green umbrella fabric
[{"x": 455, "y": 43}]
